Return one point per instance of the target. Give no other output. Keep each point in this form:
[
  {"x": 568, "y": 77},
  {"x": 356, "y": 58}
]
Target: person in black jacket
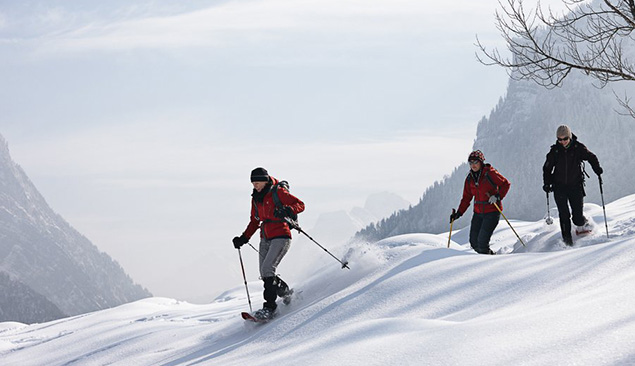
[{"x": 564, "y": 175}]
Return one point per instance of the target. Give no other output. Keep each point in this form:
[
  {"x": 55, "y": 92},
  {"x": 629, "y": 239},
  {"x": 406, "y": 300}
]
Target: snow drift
[{"x": 407, "y": 300}]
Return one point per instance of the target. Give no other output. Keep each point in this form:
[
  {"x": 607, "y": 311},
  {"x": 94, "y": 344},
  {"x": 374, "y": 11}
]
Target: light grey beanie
[{"x": 563, "y": 131}]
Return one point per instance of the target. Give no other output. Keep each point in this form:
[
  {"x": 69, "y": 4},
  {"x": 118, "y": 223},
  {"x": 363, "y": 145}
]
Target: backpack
[
  {"x": 276, "y": 199},
  {"x": 489, "y": 179}
]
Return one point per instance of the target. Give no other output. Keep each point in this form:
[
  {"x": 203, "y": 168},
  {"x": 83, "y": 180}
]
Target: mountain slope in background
[
  {"x": 407, "y": 300},
  {"x": 42, "y": 251},
  {"x": 20, "y": 303},
  {"x": 515, "y": 140},
  {"x": 341, "y": 225}
]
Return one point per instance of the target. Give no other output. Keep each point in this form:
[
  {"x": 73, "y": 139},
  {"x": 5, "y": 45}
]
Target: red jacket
[
  {"x": 483, "y": 190},
  {"x": 272, "y": 227}
]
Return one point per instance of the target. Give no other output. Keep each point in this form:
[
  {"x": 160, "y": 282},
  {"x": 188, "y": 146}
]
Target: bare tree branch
[
  {"x": 624, "y": 102},
  {"x": 546, "y": 47}
]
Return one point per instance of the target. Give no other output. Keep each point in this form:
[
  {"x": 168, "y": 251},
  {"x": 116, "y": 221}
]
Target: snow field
[{"x": 407, "y": 300}]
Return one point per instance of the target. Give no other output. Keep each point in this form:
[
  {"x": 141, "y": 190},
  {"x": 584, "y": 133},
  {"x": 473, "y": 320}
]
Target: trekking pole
[
  {"x": 245, "y": 279},
  {"x": 254, "y": 248},
  {"x": 603, "y": 208},
  {"x": 510, "y": 225},
  {"x": 295, "y": 225},
  {"x": 451, "y": 223},
  {"x": 548, "y": 220}
]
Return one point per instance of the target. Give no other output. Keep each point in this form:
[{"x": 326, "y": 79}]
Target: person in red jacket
[
  {"x": 488, "y": 187},
  {"x": 275, "y": 235}
]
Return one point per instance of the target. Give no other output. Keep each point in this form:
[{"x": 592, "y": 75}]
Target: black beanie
[{"x": 259, "y": 175}]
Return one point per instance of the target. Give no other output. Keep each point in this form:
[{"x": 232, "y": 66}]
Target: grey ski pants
[{"x": 271, "y": 253}]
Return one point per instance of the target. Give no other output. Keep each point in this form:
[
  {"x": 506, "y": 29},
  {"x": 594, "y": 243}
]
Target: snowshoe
[
  {"x": 286, "y": 298},
  {"x": 260, "y": 316},
  {"x": 264, "y": 314},
  {"x": 247, "y": 316},
  {"x": 584, "y": 229}
]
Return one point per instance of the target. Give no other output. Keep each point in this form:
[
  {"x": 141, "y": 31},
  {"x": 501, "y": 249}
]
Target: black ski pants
[
  {"x": 566, "y": 196},
  {"x": 481, "y": 231}
]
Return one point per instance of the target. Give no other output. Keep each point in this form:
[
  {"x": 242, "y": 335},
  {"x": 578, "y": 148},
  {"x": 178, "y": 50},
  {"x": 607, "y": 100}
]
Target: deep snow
[{"x": 407, "y": 300}]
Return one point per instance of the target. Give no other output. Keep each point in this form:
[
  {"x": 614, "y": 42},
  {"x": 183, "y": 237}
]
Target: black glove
[
  {"x": 284, "y": 212},
  {"x": 239, "y": 241},
  {"x": 547, "y": 188},
  {"x": 599, "y": 171},
  {"x": 455, "y": 216}
]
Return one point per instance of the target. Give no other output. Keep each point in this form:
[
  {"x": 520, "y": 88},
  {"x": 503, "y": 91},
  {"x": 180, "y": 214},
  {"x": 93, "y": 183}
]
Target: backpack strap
[
  {"x": 575, "y": 146},
  {"x": 489, "y": 179},
  {"x": 276, "y": 200},
  {"x": 256, "y": 215},
  {"x": 582, "y": 163}
]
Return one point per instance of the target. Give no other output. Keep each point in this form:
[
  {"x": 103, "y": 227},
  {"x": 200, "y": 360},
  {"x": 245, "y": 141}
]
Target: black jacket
[{"x": 563, "y": 167}]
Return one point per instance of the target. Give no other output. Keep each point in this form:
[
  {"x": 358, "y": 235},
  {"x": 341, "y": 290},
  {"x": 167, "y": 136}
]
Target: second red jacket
[{"x": 482, "y": 188}]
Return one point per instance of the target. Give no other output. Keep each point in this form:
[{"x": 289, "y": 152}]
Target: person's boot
[
  {"x": 584, "y": 229},
  {"x": 269, "y": 306},
  {"x": 265, "y": 313},
  {"x": 484, "y": 251},
  {"x": 270, "y": 293},
  {"x": 567, "y": 240},
  {"x": 283, "y": 291}
]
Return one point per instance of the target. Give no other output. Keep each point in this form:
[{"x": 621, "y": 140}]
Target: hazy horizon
[{"x": 140, "y": 123}]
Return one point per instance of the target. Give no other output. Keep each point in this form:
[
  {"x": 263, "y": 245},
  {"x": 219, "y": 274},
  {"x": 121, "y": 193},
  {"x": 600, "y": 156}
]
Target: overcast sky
[{"x": 140, "y": 123}]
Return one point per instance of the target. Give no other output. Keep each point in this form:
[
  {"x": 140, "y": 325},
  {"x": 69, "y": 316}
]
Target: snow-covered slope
[{"x": 407, "y": 300}]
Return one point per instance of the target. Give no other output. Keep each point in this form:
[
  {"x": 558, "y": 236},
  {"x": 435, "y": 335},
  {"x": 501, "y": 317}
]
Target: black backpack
[{"x": 276, "y": 199}]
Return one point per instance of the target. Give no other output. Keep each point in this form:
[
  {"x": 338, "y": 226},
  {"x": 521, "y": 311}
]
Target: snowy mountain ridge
[
  {"x": 515, "y": 139},
  {"x": 407, "y": 300},
  {"x": 41, "y": 250},
  {"x": 341, "y": 225},
  {"x": 20, "y": 302}
]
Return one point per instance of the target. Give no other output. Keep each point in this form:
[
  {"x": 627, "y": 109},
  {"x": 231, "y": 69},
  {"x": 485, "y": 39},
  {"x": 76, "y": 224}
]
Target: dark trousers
[
  {"x": 481, "y": 230},
  {"x": 274, "y": 287},
  {"x": 565, "y": 196}
]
